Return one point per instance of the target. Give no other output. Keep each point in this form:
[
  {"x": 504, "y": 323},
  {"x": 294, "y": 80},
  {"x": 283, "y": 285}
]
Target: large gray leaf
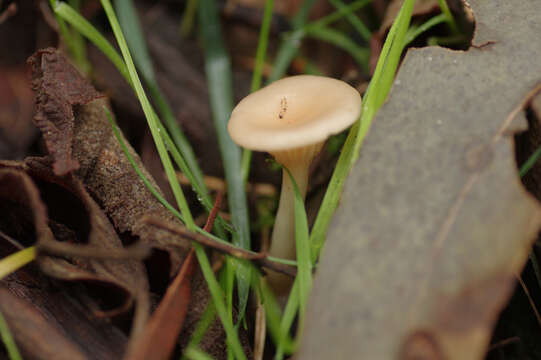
[{"x": 434, "y": 222}]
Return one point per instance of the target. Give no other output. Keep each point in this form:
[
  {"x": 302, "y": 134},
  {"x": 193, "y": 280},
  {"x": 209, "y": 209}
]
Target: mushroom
[{"x": 291, "y": 119}]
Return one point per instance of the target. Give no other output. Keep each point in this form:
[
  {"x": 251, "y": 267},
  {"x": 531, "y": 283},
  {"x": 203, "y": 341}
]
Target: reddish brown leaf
[
  {"x": 161, "y": 333},
  {"x": 114, "y": 283}
]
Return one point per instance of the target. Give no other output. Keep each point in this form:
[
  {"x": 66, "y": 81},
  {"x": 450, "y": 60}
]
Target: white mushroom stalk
[{"x": 291, "y": 119}]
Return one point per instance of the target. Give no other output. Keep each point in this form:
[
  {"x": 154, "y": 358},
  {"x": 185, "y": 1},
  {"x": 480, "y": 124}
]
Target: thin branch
[
  {"x": 134, "y": 252},
  {"x": 259, "y": 258}
]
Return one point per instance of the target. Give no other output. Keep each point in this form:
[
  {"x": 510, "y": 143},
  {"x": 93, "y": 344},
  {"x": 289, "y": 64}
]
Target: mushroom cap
[{"x": 294, "y": 112}]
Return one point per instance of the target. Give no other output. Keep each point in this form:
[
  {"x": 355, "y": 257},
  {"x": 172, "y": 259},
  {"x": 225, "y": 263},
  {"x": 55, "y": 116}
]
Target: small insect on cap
[{"x": 293, "y": 113}]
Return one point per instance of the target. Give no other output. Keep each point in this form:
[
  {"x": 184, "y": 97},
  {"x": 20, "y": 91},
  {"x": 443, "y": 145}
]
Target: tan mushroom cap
[{"x": 294, "y": 112}]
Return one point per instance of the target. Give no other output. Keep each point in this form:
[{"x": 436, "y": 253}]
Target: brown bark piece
[
  {"x": 46, "y": 319},
  {"x": 59, "y": 87},
  {"x": 37, "y": 338}
]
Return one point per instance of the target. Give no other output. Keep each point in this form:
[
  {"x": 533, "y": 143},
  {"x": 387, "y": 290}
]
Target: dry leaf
[
  {"x": 434, "y": 223},
  {"x": 59, "y": 87},
  {"x": 75, "y": 219}
]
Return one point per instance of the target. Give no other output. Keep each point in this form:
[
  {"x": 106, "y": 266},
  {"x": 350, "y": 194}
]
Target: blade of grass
[
  {"x": 258, "y": 73},
  {"x": 85, "y": 28},
  {"x": 218, "y": 70},
  {"x": 415, "y": 31},
  {"x": 68, "y": 37},
  {"x": 339, "y": 14},
  {"x": 376, "y": 94},
  {"x": 354, "y": 20},
  {"x": 338, "y": 39},
  {"x": 79, "y": 46},
  {"x": 217, "y": 296},
  {"x": 16, "y": 261},
  {"x": 304, "y": 258},
  {"x": 449, "y": 17},
  {"x": 7, "y": 339},
  {"x": 290, "y": 45},
  {"x": 214, "y": 288},
  {"x": 131, "y": 27},
  {"x": 273, "y": 313},
  {"x": 208, "y": 315},
  {"x": 194, "y": 353},
  {"x": 302, "y": 285},
  {"x": 530, "y": 162},
  {"x": 202, "y": 326},
  {"x": 149, "y": 114},
  {"x": 288, "y": 317},
  {"x": 67, "y": 13},
  {"x": 186, "y": 25},
  {"x": 166, "y": 204},
  {"x": 134, "y": 36}
]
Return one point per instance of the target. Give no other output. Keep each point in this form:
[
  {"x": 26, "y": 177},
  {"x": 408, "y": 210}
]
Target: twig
[
  {"x": 504, "y": 342},
  {"x": 134, "y": 252},
  {"x": 9, "y": 12},
  {"x": 259, "y": 258},
  {"x": 11, "y": 240},
  {"x": 214, "y": 212},
  {"x": 260, "y": 330},
  {"x": 532, "y": 304}
]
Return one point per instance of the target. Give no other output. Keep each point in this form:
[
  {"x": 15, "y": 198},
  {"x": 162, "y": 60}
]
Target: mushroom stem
[{"x": 283, "y": 243}]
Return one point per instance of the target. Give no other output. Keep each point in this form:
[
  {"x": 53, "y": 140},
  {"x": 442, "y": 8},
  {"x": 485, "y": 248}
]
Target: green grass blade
[
  {"x": 150, "y": 115},
  {"x": 273, "y": 314},
  {"x": 375, "y": 96},
  {"x": 217, "y": 296},
  {"x": 79, "y": 45},
  {"x": 129, "y": 21},
  {"x": 202, "y": 258},
  {"x": 258, "y": 73},
  {"x": 194, "y": 353},
  {"x": 218, "y": 70},
  {"x": 354, "y": 20},
  {"x": 379, "y": 89},
  {"x": 339, "y": 14},
  {"x": 214, "y": 288},
  {"x": 85, "y": 28},
  {"x": 530, "y": 162},
  {"x": 137, "y": 169},
  {"x": 16, "y": 260},
  {"x": 303, "y": 249},
  {"x": 186, "y": 25},
  {"x": 262, "y": 44},
  {"x": 67, "y": 13},
  {"x": 338, "y": 39},
  {"x": 202, "y": 326},
  {"x": 134, "y": 36},
  {"x": 449, "y": 17},
  {"x": 7, "y": 339},
  {"x": 73, "y": 40},
  {"x": 288, "y": 317},
  {"x": 414, "y": 32},
  {"x": 192, "y": 172},
  {"x": 165, "y": 203},
  {"x": 290, "y": 45}
]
